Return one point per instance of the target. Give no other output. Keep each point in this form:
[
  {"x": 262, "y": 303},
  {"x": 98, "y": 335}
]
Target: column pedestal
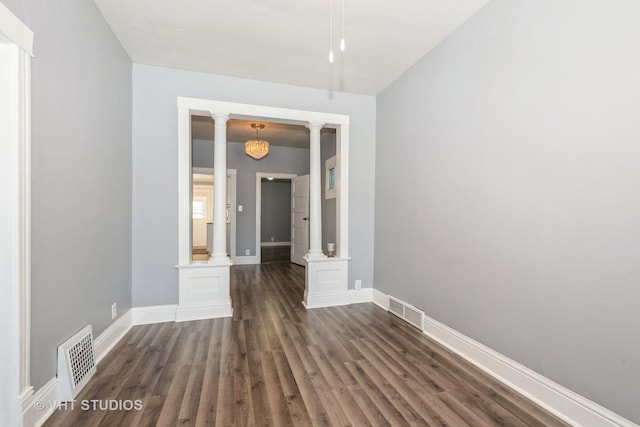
[
  {"x": 204, "y": 288},
  {"x": 326, "y": 283}
]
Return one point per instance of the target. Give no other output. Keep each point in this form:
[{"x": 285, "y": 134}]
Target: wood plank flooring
[{"x": 276, "y": 364}]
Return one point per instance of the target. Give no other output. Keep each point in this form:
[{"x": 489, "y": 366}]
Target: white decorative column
[
  {"x": 325, "y": 278},
  {"x": 219, "y": 255},
  {"x": 315, "y": 194},
  {"x": 204, "y": 288}
]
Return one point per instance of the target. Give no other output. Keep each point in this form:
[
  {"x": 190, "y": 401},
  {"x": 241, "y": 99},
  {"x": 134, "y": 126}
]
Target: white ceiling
[{"x": 286, "y": 41}]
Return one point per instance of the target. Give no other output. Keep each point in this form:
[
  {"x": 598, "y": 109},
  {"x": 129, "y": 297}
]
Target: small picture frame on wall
[{"x": 331, "y": 177}]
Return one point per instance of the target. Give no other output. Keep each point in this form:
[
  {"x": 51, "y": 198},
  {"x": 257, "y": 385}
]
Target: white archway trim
[{"x": 327, "y": 279}]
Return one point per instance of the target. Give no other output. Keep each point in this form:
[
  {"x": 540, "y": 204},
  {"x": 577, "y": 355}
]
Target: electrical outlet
[
  {"x": 358, "y": 284},
  {"x": 273, "y": 239},
  {"x": 239, "y": 208},
  {"x": 114, "y": 310},
  {"x": 247, "y": 252}
]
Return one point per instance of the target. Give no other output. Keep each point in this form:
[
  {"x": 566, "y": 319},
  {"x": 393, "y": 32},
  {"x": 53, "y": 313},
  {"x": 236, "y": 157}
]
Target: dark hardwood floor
[{"x": 275, "y": 363}]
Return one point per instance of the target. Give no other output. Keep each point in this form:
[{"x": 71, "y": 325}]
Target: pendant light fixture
[
  {"x": 257, "y": 148},
  {"x": 342, "y": 42}
]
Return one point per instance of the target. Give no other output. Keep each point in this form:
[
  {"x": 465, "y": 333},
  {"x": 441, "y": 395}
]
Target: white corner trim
[
  {"x": 562, "y": 402},
  {"x": 358, "y": 296},
  {"x": 154, "y": 314},
  {"x": 38, "y": 407},
  {"x": 12, "y": 28},
  {"x": 244, "y": 260},
  {"x": 112, "y": 335}
]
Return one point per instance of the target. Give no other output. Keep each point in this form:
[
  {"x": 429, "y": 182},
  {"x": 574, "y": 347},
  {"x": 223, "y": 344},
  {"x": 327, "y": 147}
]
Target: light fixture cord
[
  {"x": 331, "y": 32},
  {"x": 342, "y": 44}
]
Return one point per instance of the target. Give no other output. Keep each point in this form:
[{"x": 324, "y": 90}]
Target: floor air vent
[
  {"x": 76, "y": 363},
  {"x": 406, "y": 312}
]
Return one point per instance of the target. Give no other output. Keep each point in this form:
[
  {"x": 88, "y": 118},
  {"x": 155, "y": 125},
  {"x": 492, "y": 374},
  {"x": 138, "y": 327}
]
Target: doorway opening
[
  {"x": 275, "y": 214},
  {"x": 202, "y": 192}
]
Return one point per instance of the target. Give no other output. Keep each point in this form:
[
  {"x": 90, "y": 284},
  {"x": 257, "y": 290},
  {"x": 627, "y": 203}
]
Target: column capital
[
  {"x": 219, "y": 117},
  {"x": 313, "y": 126}
]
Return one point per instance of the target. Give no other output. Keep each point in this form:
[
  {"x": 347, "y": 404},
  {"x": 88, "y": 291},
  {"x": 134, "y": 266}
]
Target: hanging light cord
[
  {"x": 342, "y": 44},
  {"x": 331, "y": 33}
]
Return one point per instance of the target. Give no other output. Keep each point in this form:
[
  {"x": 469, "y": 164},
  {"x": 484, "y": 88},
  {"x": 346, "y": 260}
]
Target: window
[
  {"x": 199, "y": 209},
  {"x": 331, "y": 177}
]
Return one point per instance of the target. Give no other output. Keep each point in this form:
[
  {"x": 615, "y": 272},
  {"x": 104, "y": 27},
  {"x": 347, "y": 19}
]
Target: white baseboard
[
  {"x": 38, "y": 407},
  {"x": 188, "y": 313},
  {"x": 154, "y": 314},
  {"x": 112, "y": 335},
  {"x": 358, "y": 296},
  {"x": 269, "y": 244},
  {"x": 326, "y": 299},
  {"x": 560, "y": 401},
  {"x": 380, "y": 299},
  {"x": 244, "y": 260}
]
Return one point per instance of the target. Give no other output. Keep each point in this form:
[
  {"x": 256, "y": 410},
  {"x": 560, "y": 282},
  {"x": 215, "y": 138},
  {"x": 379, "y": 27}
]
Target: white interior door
[{"x": 299, "y": 219}]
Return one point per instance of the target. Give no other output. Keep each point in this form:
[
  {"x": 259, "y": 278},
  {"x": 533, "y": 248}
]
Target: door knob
[{"x": 305, "y": 219}]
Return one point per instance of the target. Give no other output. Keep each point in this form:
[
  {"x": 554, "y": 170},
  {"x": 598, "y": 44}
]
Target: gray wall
[
  {"x": 81, "y": 170},
  {"x": 327, "y": 149},
  {"x": 280, "y": 160},
  {"x": 155, "y": 167},
  {"x": 276, "y": 211},
  {"x": 507, "y": 178}
]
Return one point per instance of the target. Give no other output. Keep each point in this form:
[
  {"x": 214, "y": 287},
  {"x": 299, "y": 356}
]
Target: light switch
[{"x": 239, "y": 208}]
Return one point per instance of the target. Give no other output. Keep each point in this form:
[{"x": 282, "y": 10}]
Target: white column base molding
[
  {"x": 204, "y": 292},
  {"x": 154, "y": 314},
  {"x": 112, "y": 335},
  {"x": 326, "y": 282},
  {"x": 359, "y": 296},
  {"x": 201, "y": 312},
  {"x": 559, "y": 400},
  {"x": 244, "y": 260}
]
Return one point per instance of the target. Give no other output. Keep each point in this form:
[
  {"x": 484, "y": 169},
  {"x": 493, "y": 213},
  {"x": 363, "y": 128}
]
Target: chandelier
[{"x": 256, "y": 148}]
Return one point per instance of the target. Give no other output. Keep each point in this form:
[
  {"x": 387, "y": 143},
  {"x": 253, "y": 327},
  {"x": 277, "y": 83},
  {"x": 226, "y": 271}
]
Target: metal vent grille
[
  {"x": 406, "y": 312},
  {"x": 76, "y": 363},
  {"x": 413, "y": 316},
  {"x": 396, "y": 308}
]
